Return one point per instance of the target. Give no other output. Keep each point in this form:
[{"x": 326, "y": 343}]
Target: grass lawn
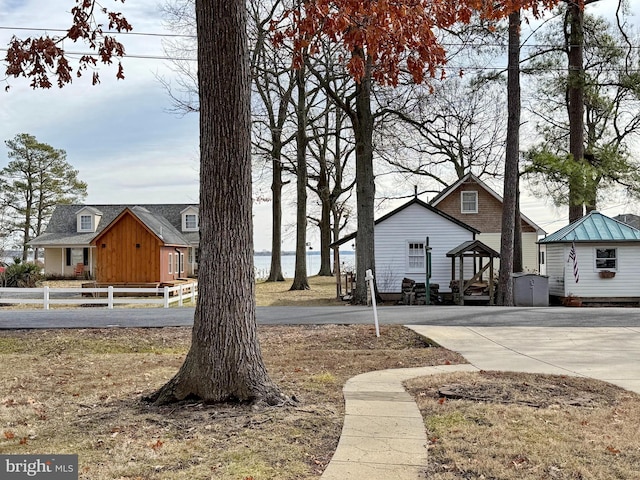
[{"x": 79, "y": 391}]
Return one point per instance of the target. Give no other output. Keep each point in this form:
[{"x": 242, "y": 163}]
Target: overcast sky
[{"x": 119, "y": 135}]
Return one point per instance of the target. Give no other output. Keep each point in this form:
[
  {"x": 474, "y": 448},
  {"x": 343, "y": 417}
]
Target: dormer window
[
  {"x": 190, "y": 219},
  {"x": 191, "y": 222},
  {"x": 469, "y": 202},
  {"x": 85, "y": 223},
  {"x": 87, "y": 219}
]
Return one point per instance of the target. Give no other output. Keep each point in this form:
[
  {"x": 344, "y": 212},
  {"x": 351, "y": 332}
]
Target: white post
[
  {"x": 110, "y": 297},
  {"x": 166, "y": 297},
  {"x": 180, "y": 295},
  {"x": 46, "y": 298},
  {"x": 369, "y": 278}
]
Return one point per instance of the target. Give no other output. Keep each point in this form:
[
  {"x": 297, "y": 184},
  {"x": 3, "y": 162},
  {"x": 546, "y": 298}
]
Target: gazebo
[{"x": 478, "y": 252}]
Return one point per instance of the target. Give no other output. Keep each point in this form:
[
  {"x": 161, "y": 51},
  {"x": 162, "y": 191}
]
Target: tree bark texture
[
  {"x": 512, "y": 152},
  {"x": 224, "y": 362},
  {"x": 365, "y": 184},
  {"x": 575, "y": 103},
  {"x": 275, "y": 272},
  {"x": 324, "y": 225},
  {"x": 517, "y": 232},
  {"x": 300, "y": 280}
]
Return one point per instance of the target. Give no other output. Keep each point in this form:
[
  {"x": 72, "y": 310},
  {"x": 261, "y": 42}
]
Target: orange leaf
[
  {"x": 23, "y": 441},
  {"x": 157, "y": 445},
  {"x": 613, "y": 451},
  {"x": 9, "y": 435}
]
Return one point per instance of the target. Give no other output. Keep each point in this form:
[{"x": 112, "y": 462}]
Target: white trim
[
  {"x": 170, "y": 263},
  {"x": 474, "y": 193},
  {"x": 414, "y": 253},
  {"x": 595, "y": 259}
]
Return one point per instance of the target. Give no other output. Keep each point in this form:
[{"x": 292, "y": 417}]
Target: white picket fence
[{"x": 109, "y": 296}]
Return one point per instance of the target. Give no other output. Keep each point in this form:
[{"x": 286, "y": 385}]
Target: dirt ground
[
  {"x": 80, "y": 391},
  {"x": 513, "y": 426}
]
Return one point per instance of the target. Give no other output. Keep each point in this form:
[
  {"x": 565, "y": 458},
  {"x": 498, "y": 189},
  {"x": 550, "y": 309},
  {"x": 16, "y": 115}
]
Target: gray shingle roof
[
  {"x": 62, "y": 228},
  {"x": 594, "y": 227}
]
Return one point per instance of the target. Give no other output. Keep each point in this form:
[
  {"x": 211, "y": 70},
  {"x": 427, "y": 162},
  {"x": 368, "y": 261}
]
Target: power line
[
  {"x": 108, "y": 32},
  {"x": 444, "y": 44}
]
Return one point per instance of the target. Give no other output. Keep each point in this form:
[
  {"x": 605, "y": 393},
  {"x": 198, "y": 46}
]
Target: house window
[
  {"x": 170, "y": 263},
  {"x": 415, "y": 256},
  {"x": 85, "y": 223},
  {"x": 606, "y": 259},
  {"x": 74, "y": 256},
  {"x": 177, "y": 264},
  {"x": 469, "y": 202},
  {"x": 182, "y": 263},
  {"x": 191, "y": 221}
]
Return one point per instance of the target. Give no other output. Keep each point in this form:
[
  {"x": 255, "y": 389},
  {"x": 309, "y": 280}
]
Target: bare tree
[{"x": 455, "y": 125}]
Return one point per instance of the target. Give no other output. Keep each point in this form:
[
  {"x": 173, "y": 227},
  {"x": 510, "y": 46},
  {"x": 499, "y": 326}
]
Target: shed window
[
  {"x": 469, "y": 202},
  {"x": 170, "y": 263},
  {"x": 415, "y": 256},
  {"x": 606, "y": 259}
]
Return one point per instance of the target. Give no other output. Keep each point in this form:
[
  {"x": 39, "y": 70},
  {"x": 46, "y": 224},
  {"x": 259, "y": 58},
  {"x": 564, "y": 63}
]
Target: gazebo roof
[{"x": 473, "y": 247}]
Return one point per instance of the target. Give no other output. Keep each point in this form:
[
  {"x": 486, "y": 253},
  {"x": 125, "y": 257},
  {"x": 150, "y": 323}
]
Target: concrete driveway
[{"x": 611, "y": 354}]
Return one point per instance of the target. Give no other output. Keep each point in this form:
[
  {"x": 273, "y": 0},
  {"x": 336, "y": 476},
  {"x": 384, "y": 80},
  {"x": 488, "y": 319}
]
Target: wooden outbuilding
[
  {"x": 139, "y": 247},
  {"x": 476, "y": 288}
]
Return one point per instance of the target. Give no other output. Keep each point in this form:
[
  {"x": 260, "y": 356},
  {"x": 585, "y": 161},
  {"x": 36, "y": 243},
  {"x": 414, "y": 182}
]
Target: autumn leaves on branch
[{"x": 43, "y": 57}]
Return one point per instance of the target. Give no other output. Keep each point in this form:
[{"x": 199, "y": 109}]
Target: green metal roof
[{"x": 594, "y": 227}]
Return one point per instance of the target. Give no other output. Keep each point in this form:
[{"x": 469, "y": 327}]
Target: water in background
[{"x": 262, "y": 264}]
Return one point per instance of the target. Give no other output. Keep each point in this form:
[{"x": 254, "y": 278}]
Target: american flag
[{"x": 574, "y": 257}]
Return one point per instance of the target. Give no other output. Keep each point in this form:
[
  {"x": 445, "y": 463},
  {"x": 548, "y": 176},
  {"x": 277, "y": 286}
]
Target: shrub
[{"x": 22, "y": 275}]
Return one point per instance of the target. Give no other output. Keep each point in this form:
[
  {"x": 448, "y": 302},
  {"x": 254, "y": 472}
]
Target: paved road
[{"x": 414, "y": 315}]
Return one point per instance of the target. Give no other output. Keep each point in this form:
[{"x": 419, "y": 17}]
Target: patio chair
[{"x": 78, "y": 270}]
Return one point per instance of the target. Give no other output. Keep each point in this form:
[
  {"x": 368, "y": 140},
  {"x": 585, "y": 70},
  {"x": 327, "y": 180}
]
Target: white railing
[{"x": 108, "y": 296}]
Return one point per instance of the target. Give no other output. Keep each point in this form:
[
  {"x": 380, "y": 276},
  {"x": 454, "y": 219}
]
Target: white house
[
  {"x": 400, "y": 240},
  {"x": 595, "y": 258}
]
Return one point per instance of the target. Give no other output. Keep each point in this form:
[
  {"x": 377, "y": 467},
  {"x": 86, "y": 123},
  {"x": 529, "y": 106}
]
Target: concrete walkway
[{"x": 383, "y": 435}]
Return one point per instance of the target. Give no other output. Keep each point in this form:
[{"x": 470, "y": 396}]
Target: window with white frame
[
  {"x": 86, "y": 223},
  {"x": 190, "y": 221},
  {"x": 606, "y": 259},
  {"x": 182, "y": 263},
  {"x": 415, "y": 257},
  {"x": 177, "y": 264},
  {"x": 469, "y": 202},
  {"x": 170, "y": 263}
]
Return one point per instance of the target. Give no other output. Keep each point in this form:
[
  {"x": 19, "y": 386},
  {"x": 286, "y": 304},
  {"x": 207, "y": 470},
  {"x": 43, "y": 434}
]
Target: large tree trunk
[
  {"x": 224, "y": 362},
  {"x": 365, "y": 184},
  {"x": 512, "y": 151},
  {"x": 575, "y": 104},
  {"x": 275, "y": 273},
  {"x": 517, "y": 232},
  {"x": 325, "y": 219},
  {"x": 300, "y": 280}
]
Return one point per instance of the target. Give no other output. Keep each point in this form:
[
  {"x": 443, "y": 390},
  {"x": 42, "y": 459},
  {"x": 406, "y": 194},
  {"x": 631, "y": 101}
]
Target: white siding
[
  {"x": 530, "y": 252},
  {"x": 624, "y": 284},
  {"x": 529, "y": 249},
  {"x": 414, "y": 224},
  {"x": 556, "y": 266}
]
